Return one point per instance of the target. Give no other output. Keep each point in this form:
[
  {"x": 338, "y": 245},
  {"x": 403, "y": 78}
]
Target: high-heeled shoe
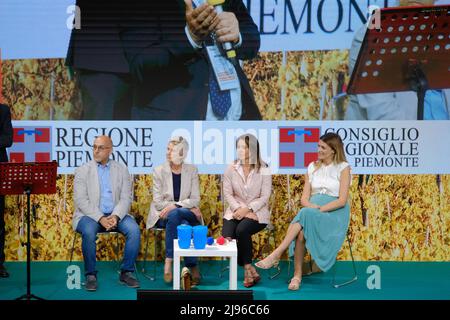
[
  {"x": 255, "y": 275},
  {"x": 267, "y": 263},
  {"x": 294, "y": 284},
  {"x": 248, "y": 279}
]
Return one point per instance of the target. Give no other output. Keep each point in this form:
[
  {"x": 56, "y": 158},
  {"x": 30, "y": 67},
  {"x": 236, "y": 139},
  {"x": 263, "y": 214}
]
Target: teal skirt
[{"x": 324, "y": 232}]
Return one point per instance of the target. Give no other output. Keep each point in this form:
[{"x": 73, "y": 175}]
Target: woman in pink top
[{"x": 247, "y": 189}]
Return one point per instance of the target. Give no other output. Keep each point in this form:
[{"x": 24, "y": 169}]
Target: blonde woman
[
  {"x": 176, "y": 198},
  {"x": 322, "y": 223}
]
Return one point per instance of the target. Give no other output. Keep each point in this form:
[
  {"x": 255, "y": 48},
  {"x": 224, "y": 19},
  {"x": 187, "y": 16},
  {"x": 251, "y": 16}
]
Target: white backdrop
[{"x": 372, "y": 147}]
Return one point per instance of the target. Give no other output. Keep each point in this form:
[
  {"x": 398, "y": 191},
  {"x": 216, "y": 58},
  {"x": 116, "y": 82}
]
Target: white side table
[{"x": 215, "y": 250}]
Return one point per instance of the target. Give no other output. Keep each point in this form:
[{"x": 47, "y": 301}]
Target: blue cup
[
  {"x": 200, "y": 235},
  {"x": 184, "y": 232}
]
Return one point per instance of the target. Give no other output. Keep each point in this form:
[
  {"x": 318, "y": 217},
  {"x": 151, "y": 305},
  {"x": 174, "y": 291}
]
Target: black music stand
[
  {"x": 29, "y": 178},
  {"x": 409, "y": 52}
]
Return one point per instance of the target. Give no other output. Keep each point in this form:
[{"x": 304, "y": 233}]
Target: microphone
[{"x": 227, "y": 46}]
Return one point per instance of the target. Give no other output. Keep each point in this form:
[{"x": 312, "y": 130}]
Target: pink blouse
[{"x": 253, "y": 192}]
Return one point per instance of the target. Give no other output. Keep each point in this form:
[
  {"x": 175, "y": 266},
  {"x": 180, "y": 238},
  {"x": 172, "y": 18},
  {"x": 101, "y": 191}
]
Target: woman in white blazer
[{"x": 176, "y": 197}]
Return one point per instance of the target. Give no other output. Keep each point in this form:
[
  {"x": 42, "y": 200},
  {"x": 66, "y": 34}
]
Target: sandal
[
  {"x": 255, "y": 275},
  {"x": 267, "y": 263},
  {"x": 294, "y": 284},
  {"x": 248, "y": 279}
]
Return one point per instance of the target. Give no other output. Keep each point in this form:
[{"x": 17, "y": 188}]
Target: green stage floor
[{"x": 399, "y": 280}]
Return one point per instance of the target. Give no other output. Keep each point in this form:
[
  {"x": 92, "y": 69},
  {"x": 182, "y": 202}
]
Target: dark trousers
[
  {"x": 175, "y": 218},
  {"x": 242, "y": 231},
  {"x": 2, "y": 229},
  {"x": 105, "y": 96}
]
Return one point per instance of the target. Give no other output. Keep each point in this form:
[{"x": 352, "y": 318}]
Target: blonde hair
[
  {"x": 334, "y": 141},
  {"x": 180, "y": 149}
]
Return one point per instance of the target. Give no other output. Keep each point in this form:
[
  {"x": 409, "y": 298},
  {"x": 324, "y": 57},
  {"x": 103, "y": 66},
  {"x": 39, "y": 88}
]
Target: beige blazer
[
  {"x": 86, "y": 191},
  {"x": 163, "y": 190},
  {"x": 254, "y": 193}
]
